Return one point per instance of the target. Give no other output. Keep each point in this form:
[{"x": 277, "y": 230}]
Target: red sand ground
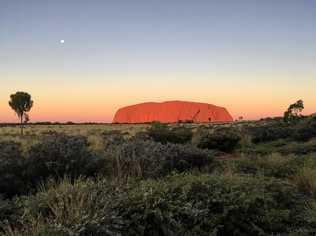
[{"x": 172, "y": 112}]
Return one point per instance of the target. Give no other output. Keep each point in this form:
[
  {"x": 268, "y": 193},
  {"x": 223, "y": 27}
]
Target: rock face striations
[{"x": 172, "y": 112}]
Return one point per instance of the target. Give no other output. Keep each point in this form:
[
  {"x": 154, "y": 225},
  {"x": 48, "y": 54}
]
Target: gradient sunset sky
[{"x": 252, "y": 57}]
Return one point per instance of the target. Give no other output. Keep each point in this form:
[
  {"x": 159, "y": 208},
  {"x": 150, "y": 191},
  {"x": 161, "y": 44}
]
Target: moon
[{"x": 62, "y": 41}]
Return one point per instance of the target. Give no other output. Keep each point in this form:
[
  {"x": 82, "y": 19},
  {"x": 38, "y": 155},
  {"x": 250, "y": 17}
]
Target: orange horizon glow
[
  {"x": 62, "y": 101},
  {"x": 104, "y": 114}
]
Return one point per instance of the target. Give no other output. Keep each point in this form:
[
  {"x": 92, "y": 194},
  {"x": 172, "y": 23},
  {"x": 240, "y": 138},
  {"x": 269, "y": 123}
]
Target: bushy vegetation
[
  {"x": 273, "y": 165},
  {"x": 54, "y": 157},
  {"x": 148, "y": 159},
  {"x": 12, "y": 167},
  {"x": 163, "y": 134},
  {"x": 303, "y": 130},
  {"x": 178, "y": 205},
  {"x": 60, "y": 155},
  {"x": 222, "y": 139},
  {"x": 254, "y": 178},
  {"x": 305, "y": 179}
]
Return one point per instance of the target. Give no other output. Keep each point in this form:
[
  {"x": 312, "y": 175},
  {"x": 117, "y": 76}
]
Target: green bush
[
  {"x": 274, "y": 165},
  {"x": 206, "y": 205},
  {"x": 163, "y": 134},
  {"x": 222, "y": 139},
  {"x": 114, "y": 137},
  {"x": 284, "y": 147},
  {"x": 60, "y": 155},
  {"x": 268, "y": 133},
  {"x": 305, "y": 179},
  {"x": 12, "y": 167},
  {"x": 10, "y": 214},
  {"x": 298, "y": 148},
  {"x": 305, "y": 130},
  {"x": 310, "y": 216},
  {"x": 137, "y": 158},
  {"x": 67, "y": 207},
  {"x": 177, "y": 205}
]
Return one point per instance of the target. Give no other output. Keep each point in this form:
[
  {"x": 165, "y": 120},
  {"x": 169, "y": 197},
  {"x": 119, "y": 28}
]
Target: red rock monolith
[{"x": 172, "y": 112}]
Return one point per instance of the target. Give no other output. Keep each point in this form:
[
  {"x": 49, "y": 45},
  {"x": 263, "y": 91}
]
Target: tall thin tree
[{"x": 21, "y": 103}]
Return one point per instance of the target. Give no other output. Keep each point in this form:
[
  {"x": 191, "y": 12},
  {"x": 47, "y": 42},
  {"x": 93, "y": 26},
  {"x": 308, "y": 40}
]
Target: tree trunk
[{"x": 21, "y": 125}]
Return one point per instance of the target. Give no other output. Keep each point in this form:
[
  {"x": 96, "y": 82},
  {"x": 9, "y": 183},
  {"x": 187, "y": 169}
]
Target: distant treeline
[
  {"x": 53, "y": 123},
  {"x": 97, "y": 123}
]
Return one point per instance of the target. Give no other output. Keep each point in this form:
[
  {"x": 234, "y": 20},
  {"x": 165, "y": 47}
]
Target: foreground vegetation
[{"x": 248, "y": 178}]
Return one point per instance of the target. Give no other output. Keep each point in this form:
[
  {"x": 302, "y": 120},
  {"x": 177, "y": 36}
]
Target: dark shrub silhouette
[
  {"x": 12, "y": 167},
  {"x": 178, "y": 205},
  {"x": 222, "y": 139},
  {"x": 114, "y": 137},
  {"x": 139, "y": 158},
  {"x": 267, "y": 133},
  {"x": 162, "y": 133},
  {"x": 60, "y": 155},
  {"x": 305, "y": 130}
]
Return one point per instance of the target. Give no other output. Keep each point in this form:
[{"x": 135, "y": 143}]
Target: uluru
[{"x": 172, "y": 112}]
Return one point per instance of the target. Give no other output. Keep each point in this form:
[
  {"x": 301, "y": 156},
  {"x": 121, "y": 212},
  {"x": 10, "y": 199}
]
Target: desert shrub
[
  {"x": 143, "y": 135},
  {"x": 310, "y": 216},
  {"x": 60, "y": 155},
  {"x": 10, "y": 214},
  {"x": 264, "y": 149},
  {"x": 268, "y": 133},
  {"x": 222, "y": 139},
  {"x": 305, "y": 131},
  {"x": 298, "y": 148},
  {"x": 180, "y": 135},
  {"x": 159, "y": 132},
  {"x": 137, "y": 158},
  {"x": 114, "y": 137},
  {"x": 68, "y": 207},
  {"x": 285, "y": 147},
  {"x": 177, "y": 205},
  {"x": 304, "y": 134},
  {"x": 200, "y": 136},
  {"x": 49, "y": 132},
  {"x": 12, "y": 167},
  {"x": 163, "y": 134},
  {"x": 202, "y": 205},
  {"x": 305, "y": 179},
  {"x": 273, "y": 165}
]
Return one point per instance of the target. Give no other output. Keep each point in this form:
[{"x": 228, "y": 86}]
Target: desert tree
[
  {"x": 294, "y": 111},
  {"x": 21, "y": 103}
]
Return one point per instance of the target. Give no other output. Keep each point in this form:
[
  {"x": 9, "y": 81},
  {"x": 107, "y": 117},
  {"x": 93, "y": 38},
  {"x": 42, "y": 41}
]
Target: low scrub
[
  {"x": 55, "y": 156},
  {"x": 222, "y": 139},
  {"x": 60, "y": 155},
  {"x": 177, "y": 205},
  {"x": 274, "y": 165},
  {"x": 269, "y": 133},
  {"x": 65, "y": 207},
  {"x": 305, "y": 131},
  {"x": 114, "y": 137},
  {"x": 298, "y": 148},
  {"x": 148, "y": 159},
  {"x": 163, "y": 134},
  {"x": 11, "y": 213},
  {"x": 284, "y": 147},
  {"x": 305, "y": 179},
  {"x": 301, "y": 131},
  {"x": 12, "y": 167}
]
